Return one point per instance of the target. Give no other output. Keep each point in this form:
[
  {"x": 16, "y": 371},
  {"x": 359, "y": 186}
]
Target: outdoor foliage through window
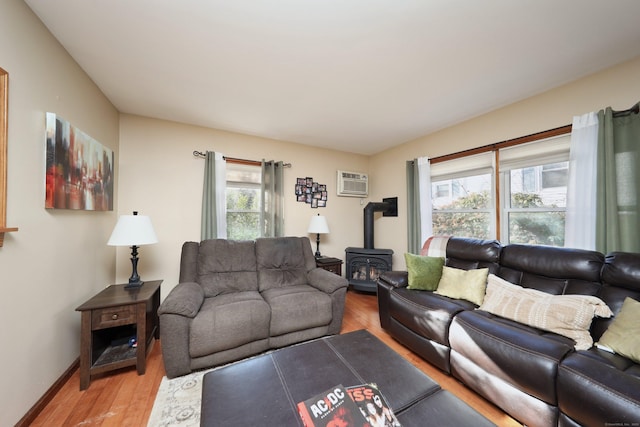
[
  {"x": 243, "y": 202},
  {"x": 533, "y": 195}
]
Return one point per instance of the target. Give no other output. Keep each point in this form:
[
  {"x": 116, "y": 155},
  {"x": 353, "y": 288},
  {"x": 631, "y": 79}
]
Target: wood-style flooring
[{"x": 123, "y": 398}]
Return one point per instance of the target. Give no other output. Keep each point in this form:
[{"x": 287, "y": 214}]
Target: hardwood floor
[{"x": 125, "y": 399}]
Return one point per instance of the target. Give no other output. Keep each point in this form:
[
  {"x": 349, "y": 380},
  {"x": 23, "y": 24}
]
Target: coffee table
[{"x": 264, "y": 391}]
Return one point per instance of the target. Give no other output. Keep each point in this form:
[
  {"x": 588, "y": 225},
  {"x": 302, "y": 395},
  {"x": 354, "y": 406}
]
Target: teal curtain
[
  {"x": 618, "y": 189},
  {"x": 214, "y": 219},
  {"x": 272, "y": 213},
  {"x": 413, "y": 208}
]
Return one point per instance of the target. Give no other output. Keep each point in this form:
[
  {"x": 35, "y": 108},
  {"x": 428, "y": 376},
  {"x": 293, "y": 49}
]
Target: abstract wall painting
[{"x": 79, "y": 170}]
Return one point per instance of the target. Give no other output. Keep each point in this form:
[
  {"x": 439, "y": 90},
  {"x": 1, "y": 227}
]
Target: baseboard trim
[{"x": 35, "y": 410}]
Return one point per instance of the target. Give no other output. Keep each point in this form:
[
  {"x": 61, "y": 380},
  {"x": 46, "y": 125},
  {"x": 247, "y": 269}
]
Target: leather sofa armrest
[
  {"x": 184, "y": 300},
  {"x": 326, "y": 281},
  {"x": 396, "y": 279}
]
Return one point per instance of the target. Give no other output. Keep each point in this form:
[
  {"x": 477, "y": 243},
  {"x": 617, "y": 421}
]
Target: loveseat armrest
[
  {"x": 326, "y": 281},
  {"x": 395, "y": 279},
  {"x": 184, "y": 300}
]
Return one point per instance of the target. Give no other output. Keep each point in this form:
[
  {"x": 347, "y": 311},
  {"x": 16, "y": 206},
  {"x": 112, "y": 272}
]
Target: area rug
[{"x": 178, "y": 401}]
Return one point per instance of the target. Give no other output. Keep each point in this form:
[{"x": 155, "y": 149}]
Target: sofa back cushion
[
  {"x": 468, "y": 254},
  {"x": 225, "y": 266},
  {"x": 621, "y": 279},
  {"x": 551, "y": 269},
  {"x": 283, "y": 261}
]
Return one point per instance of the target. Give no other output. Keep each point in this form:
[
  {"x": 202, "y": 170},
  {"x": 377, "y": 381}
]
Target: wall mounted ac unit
[{"x": 352, "y": 184}]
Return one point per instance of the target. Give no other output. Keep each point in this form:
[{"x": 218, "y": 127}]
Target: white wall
[
  {"x": 618, "y": 87},
  {"x": 160, "y": 177},
  {"x": 58, "y": 258}
]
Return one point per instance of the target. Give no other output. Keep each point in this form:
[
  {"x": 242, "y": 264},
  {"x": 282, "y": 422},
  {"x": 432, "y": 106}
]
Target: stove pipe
[{"x": 368, "y": 220}]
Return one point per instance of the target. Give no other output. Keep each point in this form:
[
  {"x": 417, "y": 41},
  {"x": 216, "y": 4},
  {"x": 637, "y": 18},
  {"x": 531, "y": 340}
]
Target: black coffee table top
[{"x": 265, "y": 390}]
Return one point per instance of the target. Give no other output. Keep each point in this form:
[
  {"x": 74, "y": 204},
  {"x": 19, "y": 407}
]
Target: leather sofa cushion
[
  {"x": 599, "y": 388},
  {"x": 225, "y": 266},
  {"x": 296, "y": 308},
  {"x": 553, "y": 270},
  {"x": 425, "y": 313},
  {"x": 229, "y": 321},
  {"x": 520, "y": 355}
]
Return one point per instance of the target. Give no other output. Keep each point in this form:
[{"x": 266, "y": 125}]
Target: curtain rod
[
  {"x": 633, "y": 110},
  {"x": 202, "y": 155}
]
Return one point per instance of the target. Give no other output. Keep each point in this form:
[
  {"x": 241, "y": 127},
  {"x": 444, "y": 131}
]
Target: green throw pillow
[
  {"x": 469, "y": 285},
  {"x": 424, "y": 271},
  {"x": 623, "y": 335}
]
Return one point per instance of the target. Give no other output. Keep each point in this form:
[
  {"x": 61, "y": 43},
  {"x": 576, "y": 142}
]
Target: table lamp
[
  {"x": 133, "y": 230},
  {"x": 319, "y": 226}
]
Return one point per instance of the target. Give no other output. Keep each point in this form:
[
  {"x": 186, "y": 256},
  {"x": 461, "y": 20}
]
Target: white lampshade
[
  {"x": 318, "y": 225},
  {"x": 133, "y": 230}
]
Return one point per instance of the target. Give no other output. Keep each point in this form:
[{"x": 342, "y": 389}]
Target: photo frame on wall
[
  {"x": 79, "y": 170},
  {"x": 311, "y": 192}
]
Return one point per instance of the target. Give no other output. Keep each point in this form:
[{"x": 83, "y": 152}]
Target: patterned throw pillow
[
  {"x": 567, "y": 315},
  {"x": 468, "y": 285},
  {"x": 623, "y": 335},
  {"x": 424, "y": 271}
]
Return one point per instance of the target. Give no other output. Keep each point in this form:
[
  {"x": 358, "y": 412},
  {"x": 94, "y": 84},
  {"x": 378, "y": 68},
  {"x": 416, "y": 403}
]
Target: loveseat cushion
[
  {"x": 228, "y": 321},
  {"x": 295, "y": 308},
  {"x": 283, "y": 261},
  {"x": 226, "y": 266}
]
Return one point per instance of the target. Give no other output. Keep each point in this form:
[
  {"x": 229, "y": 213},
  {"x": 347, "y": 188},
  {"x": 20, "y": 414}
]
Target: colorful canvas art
[{"x": 79, "y": 171}]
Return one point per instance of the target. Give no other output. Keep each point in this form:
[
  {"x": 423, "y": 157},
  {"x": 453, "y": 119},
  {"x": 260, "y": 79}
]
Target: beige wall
[
  {"x": 618, "y": 87},
  {"x": 160, "y": 177},
  {"x": 58, "y": 258}
]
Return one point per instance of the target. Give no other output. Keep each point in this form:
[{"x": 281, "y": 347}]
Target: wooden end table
[
  {"x": 333, "y": 265},
  {"x": 110, "y": 320}
]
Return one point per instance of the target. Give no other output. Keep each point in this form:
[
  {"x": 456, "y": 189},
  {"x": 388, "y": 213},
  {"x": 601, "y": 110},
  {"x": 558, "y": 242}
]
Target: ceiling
[{"x": 353, "y": 75}]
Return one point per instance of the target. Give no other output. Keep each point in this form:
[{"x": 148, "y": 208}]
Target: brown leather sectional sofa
[{"x": 538, "y": 377}]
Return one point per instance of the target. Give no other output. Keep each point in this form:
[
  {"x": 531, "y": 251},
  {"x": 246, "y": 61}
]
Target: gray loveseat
[{"x": 239, "y": 298}]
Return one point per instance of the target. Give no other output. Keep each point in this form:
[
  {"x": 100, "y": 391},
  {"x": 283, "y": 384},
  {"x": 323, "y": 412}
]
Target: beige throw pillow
[
  {"x": 468, "y": 285},
  {"x": 567, "y": 315},
  {"x": 623, "y": 335}
]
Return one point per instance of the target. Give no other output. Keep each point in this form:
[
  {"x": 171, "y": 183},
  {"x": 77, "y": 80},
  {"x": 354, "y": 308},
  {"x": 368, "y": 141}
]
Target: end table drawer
[{"x": 113, "y": 316}]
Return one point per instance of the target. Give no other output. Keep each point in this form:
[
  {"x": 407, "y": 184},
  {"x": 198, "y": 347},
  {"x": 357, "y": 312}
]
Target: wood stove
[{"x": 364, "y": 265}]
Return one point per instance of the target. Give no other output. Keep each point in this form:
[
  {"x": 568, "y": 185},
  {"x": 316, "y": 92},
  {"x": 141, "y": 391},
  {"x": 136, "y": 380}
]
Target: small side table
[
  {"x": 333, "y": 265},
  {"x": 109, "y": 321}
]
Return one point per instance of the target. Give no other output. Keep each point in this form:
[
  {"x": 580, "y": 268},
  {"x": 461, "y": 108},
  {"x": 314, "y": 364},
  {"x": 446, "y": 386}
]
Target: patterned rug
[{"x": 178, "y": 402}]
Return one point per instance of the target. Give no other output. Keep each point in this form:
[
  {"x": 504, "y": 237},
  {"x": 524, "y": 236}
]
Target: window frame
[{"x": 498, "y": 193}]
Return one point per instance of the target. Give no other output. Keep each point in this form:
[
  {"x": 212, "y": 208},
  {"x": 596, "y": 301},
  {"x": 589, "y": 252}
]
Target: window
[
  {"x": 462, "y": 197},
  {"x": 243, "y": 201},
  {"x": 532, "y": 187}
]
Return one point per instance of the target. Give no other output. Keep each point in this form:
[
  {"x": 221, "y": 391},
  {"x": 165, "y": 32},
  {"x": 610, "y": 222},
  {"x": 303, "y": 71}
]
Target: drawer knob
[{"x": 114, "y": 317}]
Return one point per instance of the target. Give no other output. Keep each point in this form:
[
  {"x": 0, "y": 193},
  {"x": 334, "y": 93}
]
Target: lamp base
[{"x": 134, "y": 284}]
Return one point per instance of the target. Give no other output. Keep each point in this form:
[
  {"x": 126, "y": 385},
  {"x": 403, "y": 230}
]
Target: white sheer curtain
[
  {"x": 426, "y": 218},
  {"x": 214, "y": 201},
  {"x": 580, "y": 220}
]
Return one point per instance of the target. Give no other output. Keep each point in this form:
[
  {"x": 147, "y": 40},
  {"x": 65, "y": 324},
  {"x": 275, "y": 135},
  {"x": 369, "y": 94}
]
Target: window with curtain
[
  {"x": 531, "y": 190},
  {"x": 243, "y": 197},
  {"x": 533, "y": 182}
]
